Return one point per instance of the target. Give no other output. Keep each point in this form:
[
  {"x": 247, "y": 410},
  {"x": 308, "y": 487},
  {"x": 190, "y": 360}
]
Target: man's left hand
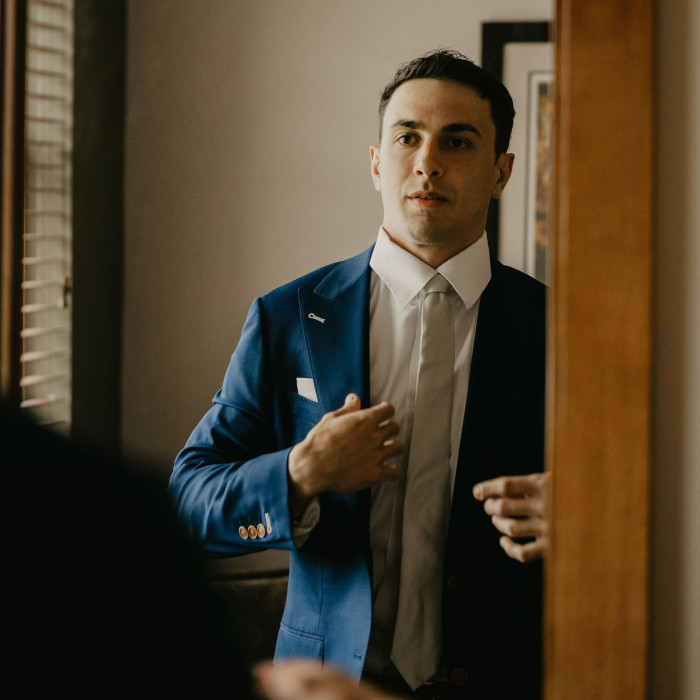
[{"x": 518, "y": 508}]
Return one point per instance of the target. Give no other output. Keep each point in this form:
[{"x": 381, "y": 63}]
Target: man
[{"x": 325, "y": 439}]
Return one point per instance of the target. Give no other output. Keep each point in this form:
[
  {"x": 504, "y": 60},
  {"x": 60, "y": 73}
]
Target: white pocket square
[{"x": 306, "y": 388}]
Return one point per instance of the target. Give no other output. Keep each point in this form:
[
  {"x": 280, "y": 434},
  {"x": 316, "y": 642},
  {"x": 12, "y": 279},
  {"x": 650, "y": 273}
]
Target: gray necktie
[{"x": 417, "y": 646}]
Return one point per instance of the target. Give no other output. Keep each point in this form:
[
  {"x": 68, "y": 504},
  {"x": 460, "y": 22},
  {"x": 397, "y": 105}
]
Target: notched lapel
[
  {"x": 335, "y": 329},
  {"x": 506, "y": 382}
]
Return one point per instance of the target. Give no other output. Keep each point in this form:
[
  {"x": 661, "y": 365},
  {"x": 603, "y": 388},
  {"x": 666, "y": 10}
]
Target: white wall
[{"x": 675, "y": 658}]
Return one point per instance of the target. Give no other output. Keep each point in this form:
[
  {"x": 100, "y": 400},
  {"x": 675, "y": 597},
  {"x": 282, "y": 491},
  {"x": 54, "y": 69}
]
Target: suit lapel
[
  {"x": 335, "y": 319},
  {"x": 506, "y": 385},
  {"x": 494, "y": 362}
]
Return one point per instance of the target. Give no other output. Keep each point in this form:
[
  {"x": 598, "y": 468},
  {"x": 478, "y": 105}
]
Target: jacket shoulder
[
  {"x": 328, "y": 279},
  {"x": 516, "y": 285},
  {"x": 511, "y": 276}
]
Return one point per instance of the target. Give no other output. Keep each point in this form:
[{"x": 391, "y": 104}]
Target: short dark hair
[{"x": 447, "y": 64}]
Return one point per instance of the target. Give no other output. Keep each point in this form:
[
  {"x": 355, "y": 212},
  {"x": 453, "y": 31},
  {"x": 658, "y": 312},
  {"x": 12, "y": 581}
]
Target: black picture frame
[{"x": 494, "y": 37}]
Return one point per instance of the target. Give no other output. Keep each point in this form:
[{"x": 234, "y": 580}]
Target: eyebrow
[{"x": 448, "y": 128}]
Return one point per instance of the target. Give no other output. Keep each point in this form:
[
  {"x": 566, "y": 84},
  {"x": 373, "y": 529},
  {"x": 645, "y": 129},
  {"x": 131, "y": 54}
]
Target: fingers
[
  {"x": 352, "y": 403},
  {"x": 389, "y": 450},
  {"x": 305, "y": 679},
  {"x": 514, "y": 507},
  {"x": 513, "y": 496},
  {"x": 529, "y": 527},
  {"x": 510, "y": 486},
  {"x": 351, "y": 418},
  {"x": 350, "y": 449},
  {"x": 376, "y": 424},
  {"x": 385, "y": 468},
  {"x": 524, "y": 553},
  {"x": 285, "y": 681},
  {"x": 517, "y": 506},
  {"x": 381, "y": 412},
  {"x": 388, "y": 429}
]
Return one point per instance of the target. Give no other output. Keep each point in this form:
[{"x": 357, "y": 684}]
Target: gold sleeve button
[
  {"x": 252, "y": 532},
  {"x": 261, "y": 530},
  {"x": 243, "y": 532}
]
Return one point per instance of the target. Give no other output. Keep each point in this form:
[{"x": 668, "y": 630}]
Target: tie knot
[{"x": 437, "y": 284}]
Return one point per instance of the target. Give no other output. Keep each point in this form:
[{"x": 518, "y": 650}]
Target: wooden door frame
[{"x": 599, "y": 364}]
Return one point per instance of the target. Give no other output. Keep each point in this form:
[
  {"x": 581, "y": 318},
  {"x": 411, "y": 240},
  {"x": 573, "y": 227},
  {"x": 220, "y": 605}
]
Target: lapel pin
[{"x": 316, "y": 318}]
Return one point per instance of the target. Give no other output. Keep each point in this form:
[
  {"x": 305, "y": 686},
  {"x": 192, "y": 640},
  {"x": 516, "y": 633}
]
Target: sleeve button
[{"x": 243, "y": 532}]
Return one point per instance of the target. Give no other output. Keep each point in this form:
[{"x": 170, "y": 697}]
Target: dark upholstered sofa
[{"x": 254, "y": 602}]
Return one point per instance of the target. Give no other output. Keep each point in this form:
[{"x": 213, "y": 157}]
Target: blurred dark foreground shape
[{"x": 104, "y": 594}]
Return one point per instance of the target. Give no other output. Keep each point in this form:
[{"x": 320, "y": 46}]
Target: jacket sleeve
[{"x": 229, "y": 482}]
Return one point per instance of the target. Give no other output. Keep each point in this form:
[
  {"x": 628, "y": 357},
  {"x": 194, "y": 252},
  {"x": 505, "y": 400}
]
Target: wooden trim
[
  {"x": 600, "y": 352},
  {"x": 12, "y": 13}
]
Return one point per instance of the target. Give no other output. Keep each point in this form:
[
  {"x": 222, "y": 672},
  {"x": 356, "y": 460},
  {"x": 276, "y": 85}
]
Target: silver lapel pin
[{"x": 314, "y": 317}]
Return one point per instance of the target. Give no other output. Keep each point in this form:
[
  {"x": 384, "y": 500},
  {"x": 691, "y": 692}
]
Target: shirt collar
[{"x": 468, "y": 272}]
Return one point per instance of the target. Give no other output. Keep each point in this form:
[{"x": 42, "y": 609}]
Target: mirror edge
[{"x": 599, "y": 364}]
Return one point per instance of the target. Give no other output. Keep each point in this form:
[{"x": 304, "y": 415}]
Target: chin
[{"x": 430, "y": 235}]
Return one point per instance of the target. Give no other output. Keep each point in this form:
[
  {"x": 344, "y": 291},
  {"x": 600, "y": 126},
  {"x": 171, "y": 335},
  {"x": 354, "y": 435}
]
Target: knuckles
[{"x": 497, "y": 506}]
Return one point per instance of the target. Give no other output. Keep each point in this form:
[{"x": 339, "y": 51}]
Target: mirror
[
  {"x": 191, "y": 192},
  {"x": 247, "y": 165}
]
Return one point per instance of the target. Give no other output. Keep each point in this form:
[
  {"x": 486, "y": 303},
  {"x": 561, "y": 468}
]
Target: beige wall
[
  {"x": 676, "y": 487},
  {"x": 248, "y": 126}
]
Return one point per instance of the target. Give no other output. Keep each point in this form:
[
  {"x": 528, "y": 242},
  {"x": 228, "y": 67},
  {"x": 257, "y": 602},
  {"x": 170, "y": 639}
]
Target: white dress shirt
[{"x": 396, "y": 285}]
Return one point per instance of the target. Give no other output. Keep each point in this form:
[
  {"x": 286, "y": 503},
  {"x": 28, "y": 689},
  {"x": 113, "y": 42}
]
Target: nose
[{"x": 427, "y": 160}]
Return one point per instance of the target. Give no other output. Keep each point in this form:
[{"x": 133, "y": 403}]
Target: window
[{"x": 44, "y": 177}]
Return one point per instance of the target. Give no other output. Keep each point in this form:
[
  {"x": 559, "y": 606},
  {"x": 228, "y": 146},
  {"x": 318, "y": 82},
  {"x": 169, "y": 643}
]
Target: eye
[
  {"x": 407, "y": 139},
  {"x": 458, "y": 143}
]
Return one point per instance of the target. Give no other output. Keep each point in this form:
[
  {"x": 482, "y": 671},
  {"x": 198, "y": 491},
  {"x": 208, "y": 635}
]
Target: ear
[
  {"x": 504, "y": 167},
  {"x": 374, "y": 159}
]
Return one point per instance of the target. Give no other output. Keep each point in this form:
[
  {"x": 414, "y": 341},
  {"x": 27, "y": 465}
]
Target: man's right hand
[{"x": 345, "y": 452}]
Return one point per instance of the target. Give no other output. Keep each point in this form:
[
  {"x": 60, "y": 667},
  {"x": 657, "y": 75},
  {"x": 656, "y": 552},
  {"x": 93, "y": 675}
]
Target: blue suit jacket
[{"x": 232, "y": 473}]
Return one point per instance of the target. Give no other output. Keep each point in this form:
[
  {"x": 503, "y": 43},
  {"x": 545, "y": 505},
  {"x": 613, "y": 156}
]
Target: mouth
[{"x": 427, "y": 200}]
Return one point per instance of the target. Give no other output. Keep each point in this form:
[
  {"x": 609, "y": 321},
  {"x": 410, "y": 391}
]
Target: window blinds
[{"x": 46, "y": 263}]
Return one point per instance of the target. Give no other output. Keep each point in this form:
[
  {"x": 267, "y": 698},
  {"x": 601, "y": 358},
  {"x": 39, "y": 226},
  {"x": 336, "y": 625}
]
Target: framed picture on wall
[{"x": 521, "y": 55}]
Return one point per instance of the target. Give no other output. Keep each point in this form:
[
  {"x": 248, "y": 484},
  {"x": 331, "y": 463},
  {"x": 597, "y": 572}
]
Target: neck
[{"x": 433, "y": 255}]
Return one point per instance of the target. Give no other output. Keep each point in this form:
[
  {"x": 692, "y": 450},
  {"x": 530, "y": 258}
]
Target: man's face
[{"x": 436, "y": 167}]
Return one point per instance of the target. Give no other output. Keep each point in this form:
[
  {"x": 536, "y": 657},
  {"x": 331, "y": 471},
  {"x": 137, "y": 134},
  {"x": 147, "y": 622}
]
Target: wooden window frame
[{"x": 12, "y": 13}]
